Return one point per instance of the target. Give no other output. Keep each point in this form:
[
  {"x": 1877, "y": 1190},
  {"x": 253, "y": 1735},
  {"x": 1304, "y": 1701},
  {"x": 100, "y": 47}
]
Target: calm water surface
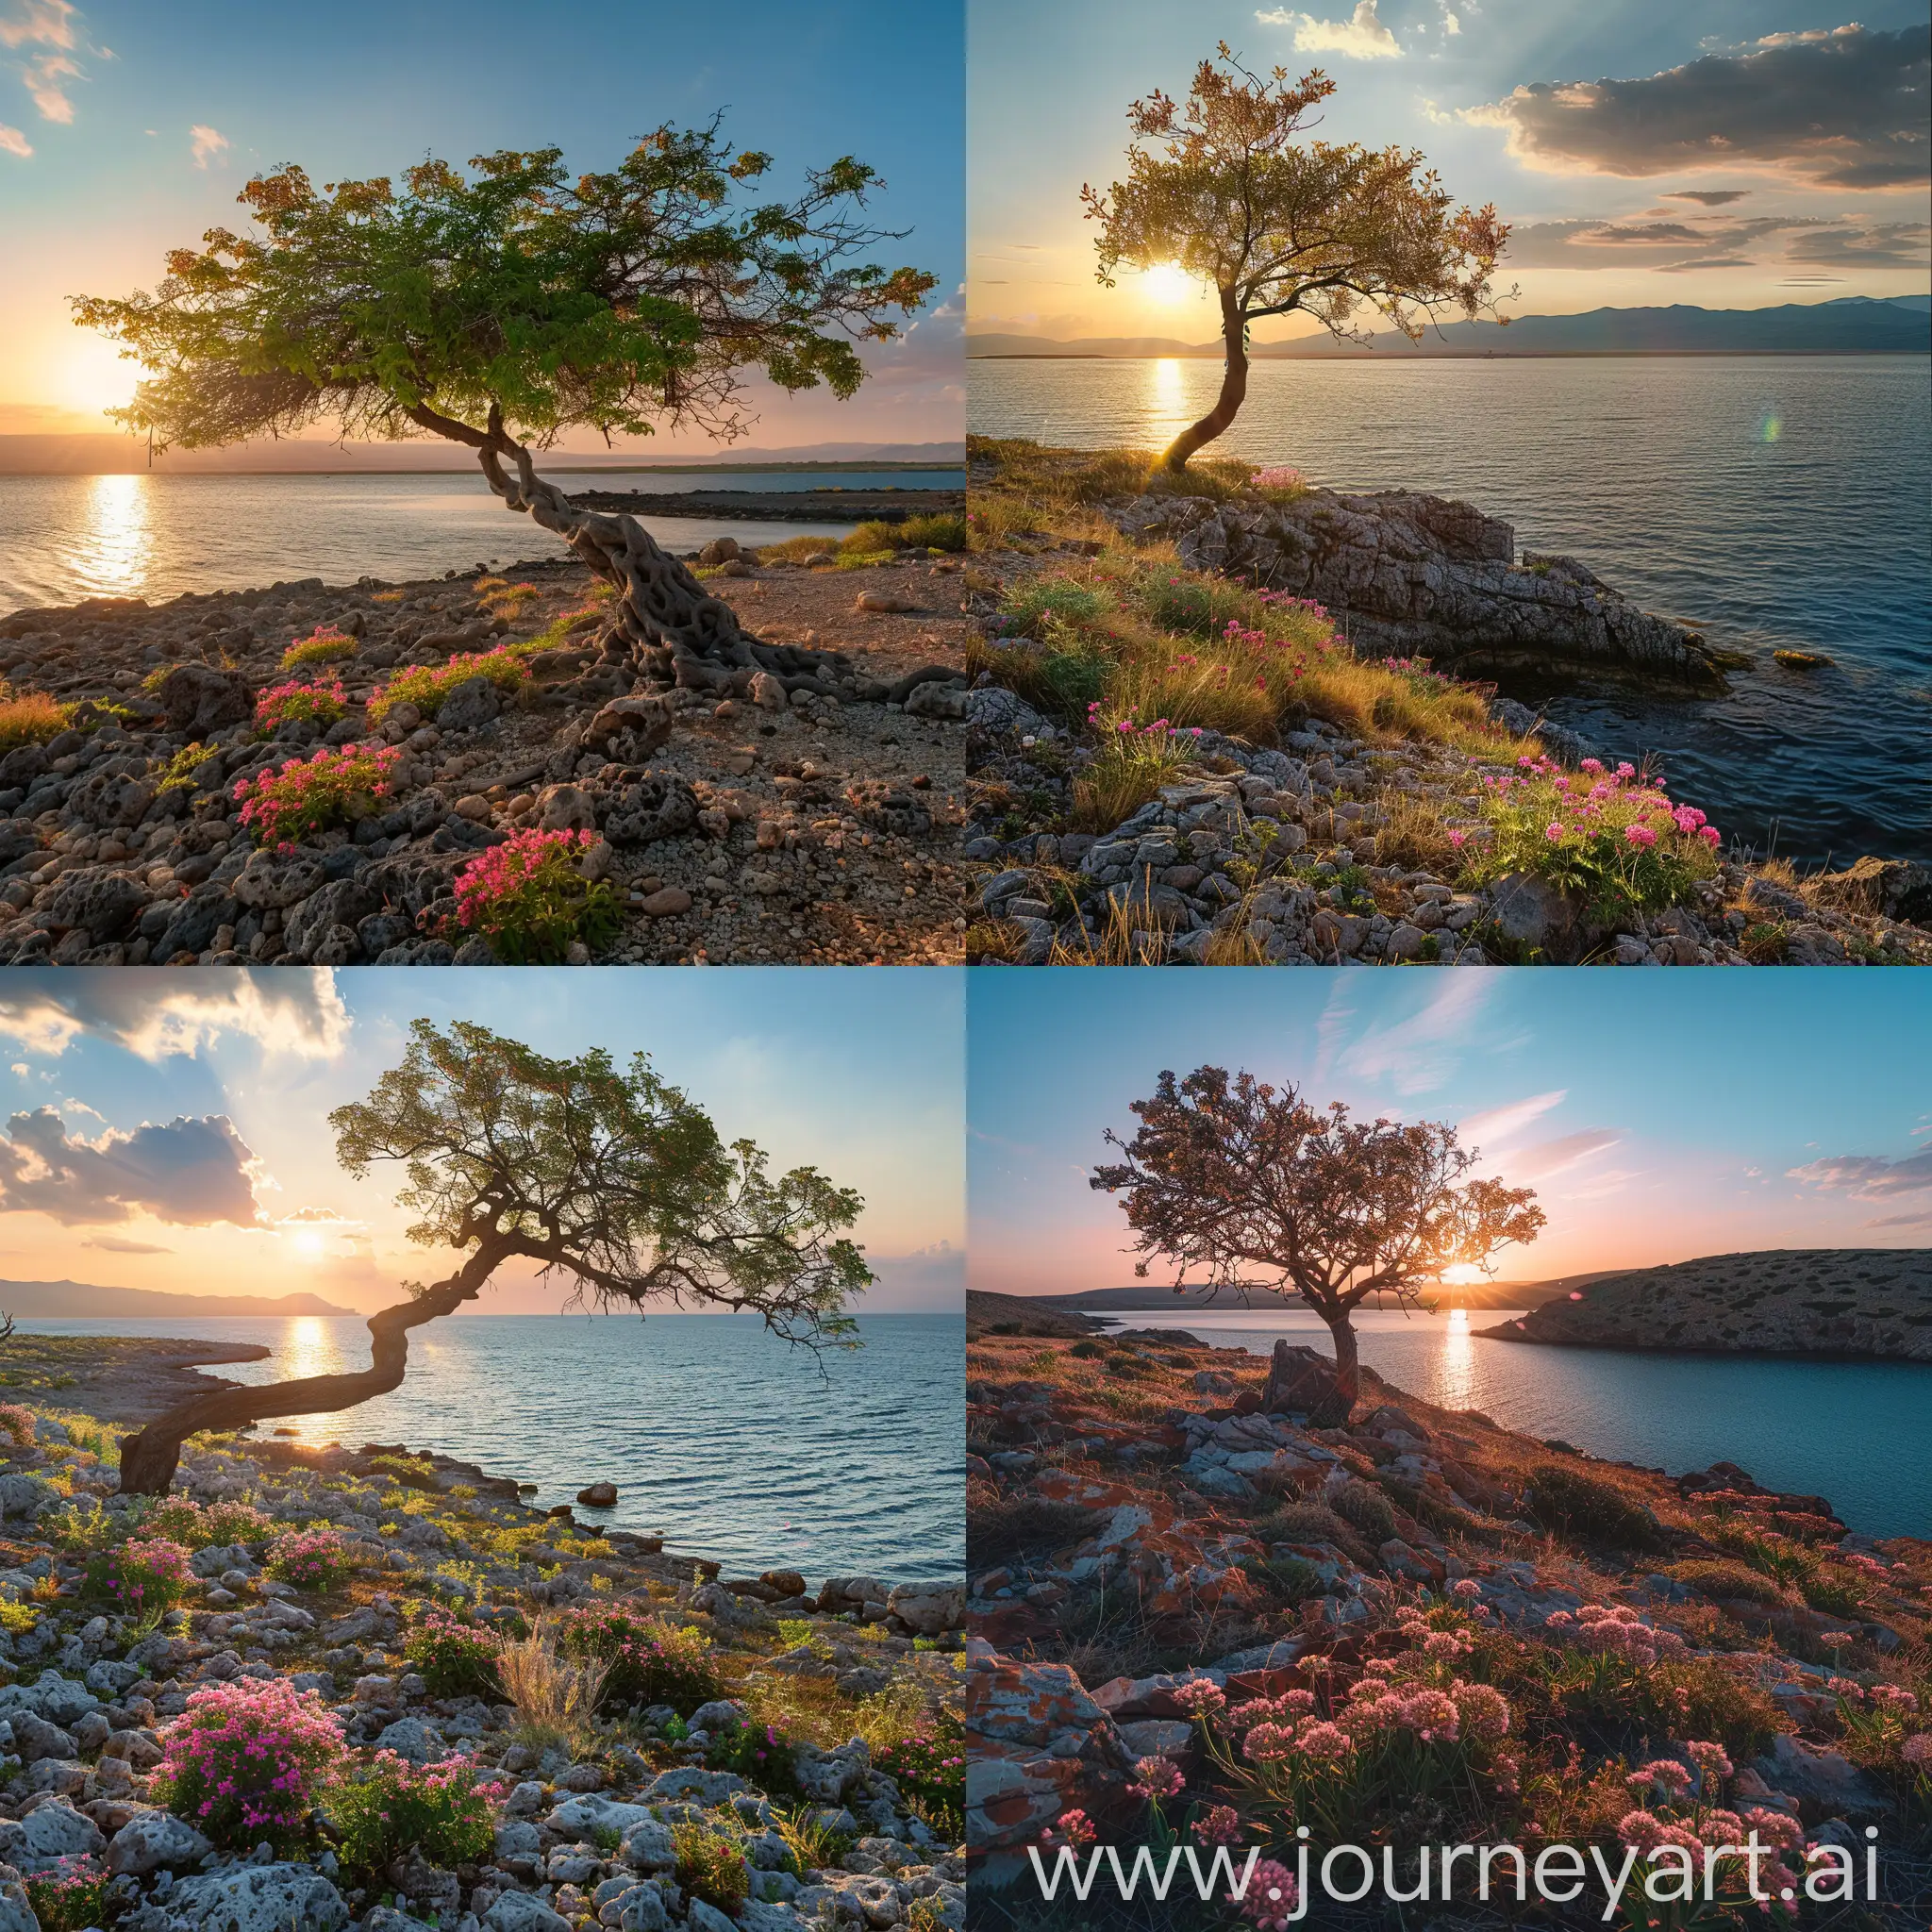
[
  {"x": 64, "y": 537},
  {"x": 1858, "y": 1433},
  {"x": 1770, "y": 501},
  {"x": 723, "y": 1439}
]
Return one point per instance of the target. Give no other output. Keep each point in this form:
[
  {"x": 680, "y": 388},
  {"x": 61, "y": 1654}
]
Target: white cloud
[
  {"x": 1556, "y": 1156},
  {"x": 46, "y": 82},
  {"x": 208, "y": 143},
  {"x": 1868, "y": 1176},
  {"x": 1450, "y": 23},
  {"x": 192, "y": 1173},
  {"x": 1504, "y": 1122},
  {"x": 13, "y": 142},
  {"x": 288, "y": 1010},
  {"x": 1418, "y": 1053},
  {"x": 39, "y": 24},
  {"x": 1361, "y": 34}
]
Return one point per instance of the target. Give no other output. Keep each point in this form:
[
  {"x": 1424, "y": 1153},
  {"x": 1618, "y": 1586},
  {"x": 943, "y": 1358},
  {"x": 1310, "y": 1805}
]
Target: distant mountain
[
  {"x": 84, "y": 1301},
  {"x": 114, "y": 454},
  {"x": 1846, "y": 325},
  {"x": 1013, "y": 1314},
  {"x": 1789, "y": 1301},
  {"x": 1139, "y": 1300}
]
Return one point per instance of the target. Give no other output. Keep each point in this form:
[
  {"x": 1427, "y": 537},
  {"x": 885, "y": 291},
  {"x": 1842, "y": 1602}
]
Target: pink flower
[
  {"x": 1156, "y": 1779},
  {"x": 1270, "y": 1898},
  {"x": 1553, "y": 832},
  {"x": 1917, "y": 1749},
  {"x": 1640, "y": 835},
  {"x": 1219, "y": 1825},
  {"x": 1076, "y": 1827}
]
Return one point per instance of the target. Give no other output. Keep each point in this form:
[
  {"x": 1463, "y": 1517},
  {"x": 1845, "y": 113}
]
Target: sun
[
  {"x": 1167, "y": 282},
  {"x": 1461, "y": 1274},
  {"x": 309, "y": 1242}
]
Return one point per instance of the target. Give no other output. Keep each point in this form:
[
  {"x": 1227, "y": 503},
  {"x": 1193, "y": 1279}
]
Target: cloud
[
  {"x": 1887, "y": 245},
  {"x": 1917, "y": 1218},
  {"x": 1418, "y": 1053},
  {"x": 1838, "y": 109},
  {"x": 207, "y": 143},
  {"x": 292, "y": 1011},
  {"x": 51, "y": 24},
  {"x": 190, "y": 1173},
  {"x": 114, "y": 1244},
  {"x": 1866, "y": 1176},
  {"x": 1677, "y": 243},
  {"x": 39, "y": 24},
  {"x": 1555, "y": 1156},
  {"x": 1361, "y": 34},
  {"x": 1504, "y": 1122},
  {"x": 1710, "y": 197},
  {"x": 46, "y": 79},
  {"x": 13, "y": 142}
]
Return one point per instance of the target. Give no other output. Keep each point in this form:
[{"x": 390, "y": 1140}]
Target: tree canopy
[
  {"x": 1226, "y": 187},
  {"x": 618, "y": 301},
  {"x": 1246, "y": 1186},
  {"x": 609, "y": 1179}
]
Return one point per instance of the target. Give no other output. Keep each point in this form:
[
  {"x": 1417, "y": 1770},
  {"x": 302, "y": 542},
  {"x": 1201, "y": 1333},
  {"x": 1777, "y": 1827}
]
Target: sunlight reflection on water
[{"x": 111, "y": 558}]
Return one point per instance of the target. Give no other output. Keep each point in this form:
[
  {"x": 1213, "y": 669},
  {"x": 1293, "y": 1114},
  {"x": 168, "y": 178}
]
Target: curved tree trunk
[
  {"x": 1234, "y": 388},
  {"x": 1348, "y": 1371},
  {"x": 665, "y": 619},
  {"x": 150, "y": 1456}
]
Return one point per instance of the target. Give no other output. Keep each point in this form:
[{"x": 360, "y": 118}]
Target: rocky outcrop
[
  {"x": 1409, "y": 575},
  {"x": 1821, "y": 1301}
]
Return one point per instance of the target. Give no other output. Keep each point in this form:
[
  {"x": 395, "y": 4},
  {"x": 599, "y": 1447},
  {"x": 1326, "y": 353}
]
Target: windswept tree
[
  {"x": 613, "y": 1182},
  {"x": 1246, "y": 1187},
  {"x": 1226, "y": 188},
  {"x": 501, "y": 308}
]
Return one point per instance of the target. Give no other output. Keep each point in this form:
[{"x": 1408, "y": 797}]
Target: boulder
[
  {"x": 929, "y": 1608},
  {"x": 598, "y": 1496},
  {"x": 200, "y": 700},
  {"x": 155, "y": 1841},
  {"x": 518, "y": 1911},
  {"x": 46, "y": 1834},
  {"x": 411, "y": 1739},
  {"x": 1301, "y": 1381},
  {"x": 647, "y": 1846},
  {"x": 259, "y": 1898},
  {"x": 469, "y": 706},
  {"x": 344, "y": 901},
  {"x": 657, "y": 805},
  {"x": 1824, "y": 1781},
  {"x": 587, "y": 1815},
  {"x": 1897, "y": 887}
]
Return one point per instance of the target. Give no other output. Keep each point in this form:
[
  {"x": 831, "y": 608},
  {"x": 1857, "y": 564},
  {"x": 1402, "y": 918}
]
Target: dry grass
[
  {"x": 28, "y": 718},
  {"x": 554, "y": 1699}
]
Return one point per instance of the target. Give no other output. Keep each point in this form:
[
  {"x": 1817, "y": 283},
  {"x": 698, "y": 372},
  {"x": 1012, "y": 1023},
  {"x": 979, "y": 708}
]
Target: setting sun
[{"x": 1167, "y": 282}]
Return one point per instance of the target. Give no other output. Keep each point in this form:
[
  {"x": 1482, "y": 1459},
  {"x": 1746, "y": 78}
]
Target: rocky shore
[
  {"x": 752, "y": 828},
  {"x": 1164, "y": 1553},
  {"x": 1848, "y": 1302},
  {"x": 826, "y": 506},
  {"x": 778, "y": 1756},
  {"x": 115, "y": 1378}
]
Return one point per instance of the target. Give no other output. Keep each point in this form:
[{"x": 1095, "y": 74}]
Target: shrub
[
  {"x": 71, "y": 1895},
  {"x": 309, "y": 795},
  {"x": 756, "y": 1752},
  {"x": 1736, "y": 1582},
  {"x": 325, "y": 644},
  {"x": 407, "y": 1470},
  {"x": 30, "y": 718},
  {"x": 649, "y": 1662},
  {"x": 16, "y": 1424},
  {"x": 1611, "y": 836},
  {"x": 555, "y": 1697},
  {"x": 393, "y": 1807},
  {"x": 17, "y": 1619},
  {"x": 309, "y": 1560},
  {"x": 1365, "y": 1507},
  {"x": 181, "y": 768},
  {"x": 246, "y": 1762},
  {"x": 929, "y": 1767},
  {"x": 453, "y": 1658},
  {"x": 1133, "y": 762},
  {"x": 426, "y": 686},
  {"x": 711, "y": 1866},
  {"x": 141, "y": 1579},
  {"x": 299, "y": 704},
  {"x": 1571, "y": 1503},
  {"x": 1039, "y": 607},
  {"x": 528, "y": 899},
  {"x": 200, "y": 1524}
]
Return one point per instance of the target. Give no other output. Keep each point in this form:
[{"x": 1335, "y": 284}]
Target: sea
[
  {"x": 731, "y": 1445},
  {"x": 1773, "y": 502},
  {"x": 159, "y": 536},
  {"x": 1858, "y": 1433}
]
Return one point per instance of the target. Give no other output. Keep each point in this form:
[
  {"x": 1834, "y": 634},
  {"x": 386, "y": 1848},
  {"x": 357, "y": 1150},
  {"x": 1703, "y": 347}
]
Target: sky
[
  {"x": 1658, "y": 1116},
  {"x": 170, "y": 1132},
  {"x": 128, "y": 129},
  {"x": 1731, "y": 154}
]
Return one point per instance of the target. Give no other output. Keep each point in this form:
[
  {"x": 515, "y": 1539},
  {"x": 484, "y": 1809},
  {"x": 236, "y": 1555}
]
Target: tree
[
  {"x": 615, "y": 1181},
  {"x": 1252, "y": 1187},
  {"x": 1222, "y": 189},
  {"x": 518, "y": 299}
]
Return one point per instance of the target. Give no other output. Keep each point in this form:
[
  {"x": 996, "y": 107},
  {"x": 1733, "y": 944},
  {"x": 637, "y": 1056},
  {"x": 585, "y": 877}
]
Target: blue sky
[
  {"x": 1596, "y": 199},
  {"x": 188, "y": 1146},
  {"x": 1658, "y": 1115},
  {"x": 108, "y": 98}
]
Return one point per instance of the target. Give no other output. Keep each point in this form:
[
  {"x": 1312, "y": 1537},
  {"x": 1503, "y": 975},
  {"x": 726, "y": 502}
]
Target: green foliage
[
  {"x": 1364, "y": 1505},
  {"x": 71, "y": 1896},
  {"x": 325, "y": 644},
  {"x": 650, "y": 1662},
  {"x": 711, "y": 1866},
  {"x": 615, "y": 1179},
  {"x": 453, "y": 1658},
  {"x": 929, "y": 1767},
  {"x": 181, "y": 768},
  {"x": 1730, "y": 1582},
  {"x": 1573, "y": 1504},
  {"x": 393, "y": 1807},
  {"x": 426, "y": 686},
  {"x": 529, "y": 899},
  {"x": 758, "y": 1753},
  {"x": 523, "y": 292},
  {"x": 407, "y": 1470}
]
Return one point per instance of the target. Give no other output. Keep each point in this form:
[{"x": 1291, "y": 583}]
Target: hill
[
  {"x": 1793, "y": 1301},
  {"x": 1016, "y": 1314},
  {"x": 83, "y": 1301},
  {"x": 1140, "y": 1299},
  {"x": 1848, "y": 326}
]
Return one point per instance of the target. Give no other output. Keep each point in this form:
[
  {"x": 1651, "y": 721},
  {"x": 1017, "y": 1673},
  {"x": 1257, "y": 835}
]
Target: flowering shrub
[
  {"x": 200, "y": 1524},
  {"x": 711, "y": 1866},
  {"x": 70, "y": 1895},
  {"x": 299, "y": 704},
  {"x": 426, "y": 686},
  {"x": 308, "y": 795},
  {"x": 528, "y": 899},
  {"x": 322, "y": 646},
  {"x": 1888, "y": 1729},
  {"x": 246, "y": 1762},
  {"x": 1272, "y": 1896},
  {"x": 649, "y": 1662},
  {"x": 394, "y": 1806},
  {"x": 759, "y": 1753},
  {"x": 929, "y": 1767},
  {"x": 141, "y": 1579},
  {"x": 453, "y": 1657},
  {"x": 1279, "y": 478},
  {"x": 309, "y": 1560},
  {"x": 16, "y": 1424},
  {"x": 1612, "y": 837},
  {"x": 1134, "y": 760}
]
